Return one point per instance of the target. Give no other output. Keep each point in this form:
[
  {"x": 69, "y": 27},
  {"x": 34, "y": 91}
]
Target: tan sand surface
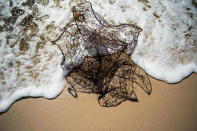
[{"x": 170, "y": 107}]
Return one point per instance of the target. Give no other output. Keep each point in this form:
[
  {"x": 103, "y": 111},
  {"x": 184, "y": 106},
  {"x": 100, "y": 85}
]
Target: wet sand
[{"x": 170, "y": 107}]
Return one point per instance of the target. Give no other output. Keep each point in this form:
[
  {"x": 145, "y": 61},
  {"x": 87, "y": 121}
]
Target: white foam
[
  {"x": 166, "y": 48},
  {"x": 50, "y": 89},
  {"x": 20, "y": 75}
]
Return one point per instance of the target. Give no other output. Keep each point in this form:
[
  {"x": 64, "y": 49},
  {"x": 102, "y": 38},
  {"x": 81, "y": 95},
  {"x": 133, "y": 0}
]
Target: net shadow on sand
[{"x": 96, "y": 57}]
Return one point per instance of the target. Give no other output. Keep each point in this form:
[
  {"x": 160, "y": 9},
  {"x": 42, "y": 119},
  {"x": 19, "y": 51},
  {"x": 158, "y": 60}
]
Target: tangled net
[{"x": 96, "y": 57}]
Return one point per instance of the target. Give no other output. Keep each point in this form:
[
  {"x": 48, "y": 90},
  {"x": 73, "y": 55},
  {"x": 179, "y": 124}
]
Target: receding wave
[{"x": 30, "y": 63}]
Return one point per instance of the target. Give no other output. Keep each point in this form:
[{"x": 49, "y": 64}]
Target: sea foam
[{"x": 30, "y": 63}]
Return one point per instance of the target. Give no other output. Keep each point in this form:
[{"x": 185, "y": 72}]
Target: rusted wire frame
[
  {"x": 70, "y": 24},
  {"x": 72, "y": 89}
]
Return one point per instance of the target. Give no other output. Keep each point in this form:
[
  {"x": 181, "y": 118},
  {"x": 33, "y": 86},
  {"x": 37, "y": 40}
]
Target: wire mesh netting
[{"x": 96, "y": 57}]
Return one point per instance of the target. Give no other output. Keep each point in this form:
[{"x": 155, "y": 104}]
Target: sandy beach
[
  {"x": 37, "y": 36},
  {"x": 170, "y": 107}
]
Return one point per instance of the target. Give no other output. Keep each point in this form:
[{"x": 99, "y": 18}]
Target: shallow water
[{"x": 30, "y": 63}]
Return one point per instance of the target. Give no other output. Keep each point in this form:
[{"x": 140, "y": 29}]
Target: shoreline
[{"x": 169, "y": 107}]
